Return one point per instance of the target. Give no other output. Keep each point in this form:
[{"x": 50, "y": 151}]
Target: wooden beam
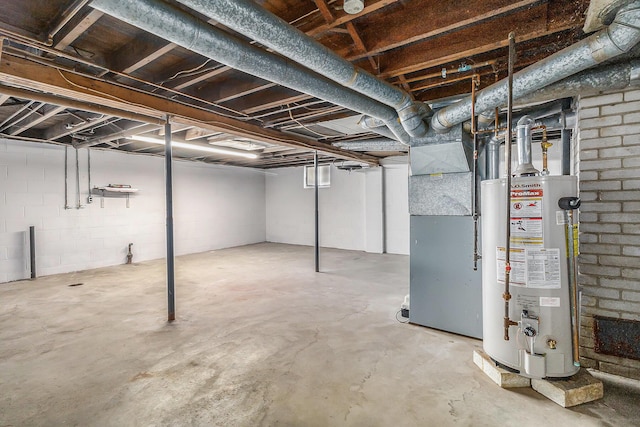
[
  {"x": 414, "y": 31},
  {"x": 3, "y": 98},
  {"x": 426, "y": 86},
  {"x": 202, "y": 77},
  {"x": 106, "y": 138},
  {"x": 276, "y": 101},
  {"x": 74, "y": 32},
  {"x": 76, "y": 104},
  {"x": 141, "y": 51},
  {"x": 231, "y": 88},
  {"x": 360, "y": 45},
  {"x": 175, "y": 128},
  {"x": 369, "y": 8},
  {"x": 468, "y": 43},
  {"x": 61, "y": 130},
  {"x": 36, "y": 119},
  {"x": 197, "y": 133},
  {"x": 324, "y": 10},
  {"x": 305, "y": 116},
  {"x": 404, "y": 83},
  {"x": 23, "y": 73},
  {"x": 351, "y": 29},
  {"x": 247, "y": 91},
  {"x": 277, "y": 149}
]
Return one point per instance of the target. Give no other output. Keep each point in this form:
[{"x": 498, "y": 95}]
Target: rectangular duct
[
  {"x": 440, "y": 194},
  {"x": 442, "y": 153}
]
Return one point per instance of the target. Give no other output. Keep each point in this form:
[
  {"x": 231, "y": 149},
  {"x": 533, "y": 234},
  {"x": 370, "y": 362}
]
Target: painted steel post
[
  {"x": 168, "y": 173},
  {"x": 317, "y": 246}
]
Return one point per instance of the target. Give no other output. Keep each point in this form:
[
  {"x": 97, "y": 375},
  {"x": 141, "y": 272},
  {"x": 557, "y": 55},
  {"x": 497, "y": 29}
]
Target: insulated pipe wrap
[{"x": 189, "y": 32}]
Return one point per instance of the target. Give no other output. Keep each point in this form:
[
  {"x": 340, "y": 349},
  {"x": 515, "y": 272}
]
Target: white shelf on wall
[{"x": 114, "y": 190}]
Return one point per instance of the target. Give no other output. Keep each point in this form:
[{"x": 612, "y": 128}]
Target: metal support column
[
  {"x": 168, "y": 174},
  {"x": 32, "y": 250},
  {"x": 315, "y": 183},
  {"x": 383, "y": 202}
]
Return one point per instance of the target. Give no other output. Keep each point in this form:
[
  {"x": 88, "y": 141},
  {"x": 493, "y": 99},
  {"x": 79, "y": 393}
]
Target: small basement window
[{"x": 324, "y": 176}]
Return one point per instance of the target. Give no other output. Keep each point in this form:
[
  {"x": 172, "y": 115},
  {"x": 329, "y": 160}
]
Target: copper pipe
[
  {"x": 507, "y": 155},
  {"x": 474, "y": 192},
  {"x": 474, "y": 122}
]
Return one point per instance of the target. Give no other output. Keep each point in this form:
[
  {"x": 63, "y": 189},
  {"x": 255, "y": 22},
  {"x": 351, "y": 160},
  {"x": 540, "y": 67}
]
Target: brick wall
[{"x": 609, "y": 176}]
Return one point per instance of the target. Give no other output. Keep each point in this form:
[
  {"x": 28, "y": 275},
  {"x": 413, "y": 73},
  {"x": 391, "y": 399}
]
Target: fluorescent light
[{"x": 177, "y": 144}]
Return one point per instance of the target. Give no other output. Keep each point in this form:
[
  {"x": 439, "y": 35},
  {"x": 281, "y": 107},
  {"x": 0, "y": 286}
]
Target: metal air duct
[
  {"x": 609, "y": 77},
  {"x": 248, "y": 18},
  {"x": 616, "y": 39},
  {"x": 183, "y": 29}
]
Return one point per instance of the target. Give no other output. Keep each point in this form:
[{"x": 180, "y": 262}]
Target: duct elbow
[
  {"x": 525, "y": 121},
  {"x": 368, "y": 122},
  {"x": 620, "y": 36},
  {"x": 439, "y": 124},
  {"x": 487, "y": 118},
  {"x": 411, "y": 117}
]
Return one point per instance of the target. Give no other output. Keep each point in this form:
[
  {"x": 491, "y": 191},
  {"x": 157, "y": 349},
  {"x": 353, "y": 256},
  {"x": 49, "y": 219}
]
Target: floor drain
[{"x": 77, "y": 284}]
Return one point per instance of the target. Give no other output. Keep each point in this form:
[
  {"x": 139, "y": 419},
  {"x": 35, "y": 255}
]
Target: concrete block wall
[
  {"x": 214, "y": 207},
  {"x": 350, "y": 209},
  {"x": 609, "y": 261}
]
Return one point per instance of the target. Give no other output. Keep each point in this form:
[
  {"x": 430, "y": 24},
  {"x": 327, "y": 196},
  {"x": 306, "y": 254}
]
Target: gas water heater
[{"x": 532, "y": 325}]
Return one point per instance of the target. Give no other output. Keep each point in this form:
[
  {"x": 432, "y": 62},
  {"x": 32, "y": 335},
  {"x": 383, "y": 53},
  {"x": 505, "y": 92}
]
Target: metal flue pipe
[
  {"x": 183, "y": 29},
  {"x": 493, "y": 157},
  {"x": 252, "y": 20},
  {"x": 618, "y": 38},
  {"x": 523, "y": 138},
  {"x": 558, "y": 121}
]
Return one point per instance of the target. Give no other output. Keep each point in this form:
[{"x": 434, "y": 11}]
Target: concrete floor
[{"x": 260, "y": 340}]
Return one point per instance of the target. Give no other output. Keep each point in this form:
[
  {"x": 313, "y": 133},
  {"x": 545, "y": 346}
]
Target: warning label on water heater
[
  {"x": 530, "y": 267},
  {"x": 543, "y": 268},
  {"x": 526, "y": 203},
  {"x": 526, "y": 217}
]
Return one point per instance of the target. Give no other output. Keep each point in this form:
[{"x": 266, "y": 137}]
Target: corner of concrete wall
[{"x": 350, "y": 210}]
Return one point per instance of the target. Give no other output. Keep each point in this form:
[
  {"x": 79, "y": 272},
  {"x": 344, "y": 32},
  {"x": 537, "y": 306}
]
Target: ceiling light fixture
[
  {"x": 194, "y": 147},
  {"x": 353, "y": 7}
]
